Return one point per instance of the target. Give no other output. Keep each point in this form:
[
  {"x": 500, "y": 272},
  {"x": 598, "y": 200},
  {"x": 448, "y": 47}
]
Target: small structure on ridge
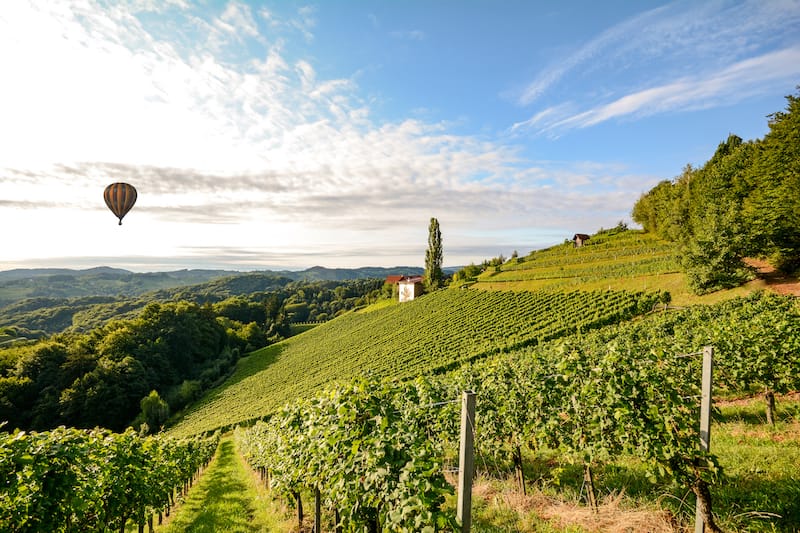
[{"x": 579, "y": 239}]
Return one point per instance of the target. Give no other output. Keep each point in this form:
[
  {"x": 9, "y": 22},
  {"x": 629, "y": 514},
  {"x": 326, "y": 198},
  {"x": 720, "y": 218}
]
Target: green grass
[
  {"x": 761, "y": 466},
  {"x": 758, "y": 492},
  {"x": 380, "y": 304},
  {"x": 226, "y": 499}
]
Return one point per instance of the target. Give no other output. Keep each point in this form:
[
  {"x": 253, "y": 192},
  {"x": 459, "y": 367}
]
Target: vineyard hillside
[
  {"x": 434, "y": 333},
  {"x": 615, "y": 259}
]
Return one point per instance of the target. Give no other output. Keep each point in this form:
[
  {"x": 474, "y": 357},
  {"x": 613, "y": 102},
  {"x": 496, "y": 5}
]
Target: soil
[{"x": 776, "y": 281}]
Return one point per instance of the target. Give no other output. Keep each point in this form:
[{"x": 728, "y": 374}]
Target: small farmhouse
[
  {"x": 579, "y": 239},
  {"x": 408, "y": 287}
]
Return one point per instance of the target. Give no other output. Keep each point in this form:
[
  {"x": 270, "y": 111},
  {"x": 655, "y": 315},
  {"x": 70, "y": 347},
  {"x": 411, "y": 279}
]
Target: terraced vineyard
[
  {"x": 608, "y": 256},
  {"x": 434, "y": 333}
]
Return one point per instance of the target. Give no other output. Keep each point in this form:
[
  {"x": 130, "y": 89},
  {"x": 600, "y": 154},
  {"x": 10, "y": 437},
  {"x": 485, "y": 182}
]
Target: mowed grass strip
[{"x": 226, "y": 499}]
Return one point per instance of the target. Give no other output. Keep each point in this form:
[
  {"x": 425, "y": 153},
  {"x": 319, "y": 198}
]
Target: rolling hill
[
  {"x": 614, "y": 259},
  {"x": 20, "y": 284},
  {"x": 547, "y": 294},
  {"x": 436, "y": 332}
]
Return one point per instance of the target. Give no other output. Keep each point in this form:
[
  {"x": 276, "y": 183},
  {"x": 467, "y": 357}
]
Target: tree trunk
[
  {"x": 588, "y": 479},
  {"x": 703, "y": 494},
  {"x": 769, "y": 396}
]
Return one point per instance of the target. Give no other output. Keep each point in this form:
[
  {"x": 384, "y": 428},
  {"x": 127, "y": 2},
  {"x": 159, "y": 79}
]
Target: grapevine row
[
  {"x": 367, "y": 449},
  {"x": 432, "y": 334},
  {"x": 629, "y": 390},
  {"x": 68, "y": 480}
]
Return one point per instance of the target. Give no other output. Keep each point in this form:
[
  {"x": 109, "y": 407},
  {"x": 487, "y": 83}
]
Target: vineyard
[
  {"x": 432, "y": 334},
  {"x": 581, "y": 395},
  {"x": 70, "y": 480},
  {"x": 375, "y": 451},
  {"x": 611, "y": 257}
]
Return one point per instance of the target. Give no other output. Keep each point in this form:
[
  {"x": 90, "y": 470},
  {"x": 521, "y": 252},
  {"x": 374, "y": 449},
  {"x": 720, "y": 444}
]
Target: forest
[
  {"x": 110, "y": 371},
  {"x": 743, "y": 202}
]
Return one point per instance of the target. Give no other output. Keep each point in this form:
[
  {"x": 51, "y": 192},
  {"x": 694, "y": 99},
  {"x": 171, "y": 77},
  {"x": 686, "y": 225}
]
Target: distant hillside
[
  {"x": 40, "y": 316},
  {"x": 618, "y": 259},
  {"x": 19, "y": 284},
  {"x": 561, "y": 290}
]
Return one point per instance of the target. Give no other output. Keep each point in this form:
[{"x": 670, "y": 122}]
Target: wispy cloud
[
  {"x": 726, "y": 86},
  {"x": 590, "y": 51},
  {"x": 677, "y": 57},
  {"x": 268, "y": 143},
  {"x": 408, "y": 35}
]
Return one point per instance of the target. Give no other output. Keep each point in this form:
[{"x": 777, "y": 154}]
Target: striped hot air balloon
[{"x": 120, "y": 197}]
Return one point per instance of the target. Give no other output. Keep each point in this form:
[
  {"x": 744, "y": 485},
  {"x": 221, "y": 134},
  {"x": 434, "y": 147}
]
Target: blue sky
[{"x": 291, "y": 134}]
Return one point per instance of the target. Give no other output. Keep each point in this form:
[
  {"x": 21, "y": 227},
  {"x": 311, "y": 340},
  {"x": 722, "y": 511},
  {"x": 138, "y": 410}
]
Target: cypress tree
[{"x": 433, "y": 257}]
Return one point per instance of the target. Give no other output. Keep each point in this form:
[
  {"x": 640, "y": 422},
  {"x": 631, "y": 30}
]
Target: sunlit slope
[
  {"x": 615, "y": 259},
  {"x": 607, "y": 256},
  {"x": 437, "y": 331}
]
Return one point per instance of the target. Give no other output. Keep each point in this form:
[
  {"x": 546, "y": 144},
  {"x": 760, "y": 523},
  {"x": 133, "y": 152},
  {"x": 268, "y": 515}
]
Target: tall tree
[
  {"x": 433, "y": 257},
  {"x": 774, "y": 205}
]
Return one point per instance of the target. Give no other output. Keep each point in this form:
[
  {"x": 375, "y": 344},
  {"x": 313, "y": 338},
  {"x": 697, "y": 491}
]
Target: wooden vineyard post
[
  {"x": 317, "y": 511},
  {"x": 466, "y": 461},
  {"x": 299, "y": 501},
  {"x": 705, "y": 422}
]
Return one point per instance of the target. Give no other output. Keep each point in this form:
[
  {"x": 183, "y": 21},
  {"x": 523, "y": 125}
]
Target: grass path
[{"x": 226, "y": 499}]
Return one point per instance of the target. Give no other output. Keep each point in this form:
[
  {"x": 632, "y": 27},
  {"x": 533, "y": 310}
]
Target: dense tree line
[
  {"x": 743, "y": 202},
  {"x": 141, "y": 368},
  {"x": 39, "y": 317},
  {"x": 470, "y": 272}
]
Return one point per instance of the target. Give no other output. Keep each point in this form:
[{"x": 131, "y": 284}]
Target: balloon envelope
[{"x": 120, "y": 197}]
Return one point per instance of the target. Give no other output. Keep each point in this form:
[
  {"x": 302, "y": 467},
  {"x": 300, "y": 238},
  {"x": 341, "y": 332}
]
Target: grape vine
[{"x": 69, "y": 480}]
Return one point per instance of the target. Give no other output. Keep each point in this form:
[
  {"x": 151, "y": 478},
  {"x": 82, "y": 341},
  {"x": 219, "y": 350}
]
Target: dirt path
[{"x": 776, "y": 281}]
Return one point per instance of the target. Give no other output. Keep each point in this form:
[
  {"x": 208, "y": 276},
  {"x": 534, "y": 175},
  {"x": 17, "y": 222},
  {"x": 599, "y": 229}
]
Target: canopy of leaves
[
  {"x": 743, "y": 202},
  {"x": 98, "y": 376}
]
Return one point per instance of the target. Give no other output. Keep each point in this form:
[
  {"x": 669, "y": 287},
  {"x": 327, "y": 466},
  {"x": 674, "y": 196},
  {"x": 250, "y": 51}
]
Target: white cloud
[
  {"x": 650, "y": 61},
  {"x": 262, "y": 153},
  {"x": 237, "y": 19},
  {"x": 590, "y": 51},
  {"x": 729, "y": 85}
]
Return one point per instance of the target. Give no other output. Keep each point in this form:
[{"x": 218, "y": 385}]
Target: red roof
[{"x": 404, "y": 279}]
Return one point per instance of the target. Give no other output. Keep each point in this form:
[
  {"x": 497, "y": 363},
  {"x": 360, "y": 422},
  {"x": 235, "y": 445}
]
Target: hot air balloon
[{"x": 120, "y": 197}]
